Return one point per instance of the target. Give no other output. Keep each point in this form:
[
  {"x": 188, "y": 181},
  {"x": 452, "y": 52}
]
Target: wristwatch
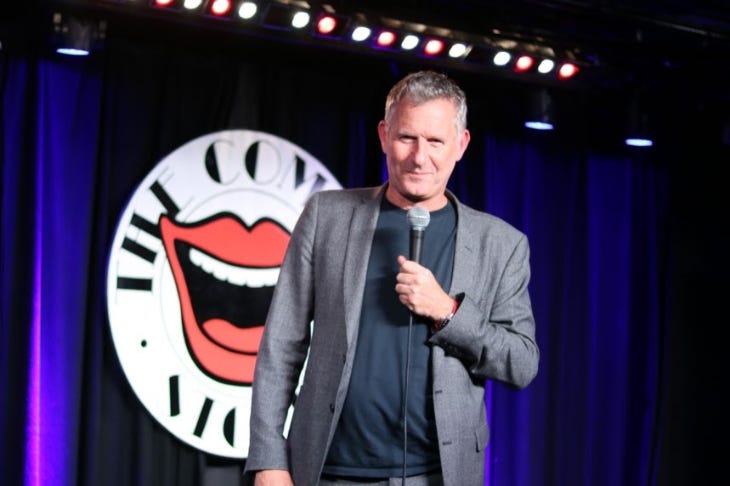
[{"x": 441, "y": 323}]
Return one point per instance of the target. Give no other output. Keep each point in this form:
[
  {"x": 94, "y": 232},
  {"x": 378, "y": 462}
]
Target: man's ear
[
  {"x": 383, "y": 135},
  {"x": 463, "y": 142}
]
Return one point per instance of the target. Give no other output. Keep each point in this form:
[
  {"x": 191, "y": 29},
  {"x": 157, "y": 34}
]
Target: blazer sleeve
[
  {"x": 283, "y": 348},
  {"x": 493, "y": 330}
]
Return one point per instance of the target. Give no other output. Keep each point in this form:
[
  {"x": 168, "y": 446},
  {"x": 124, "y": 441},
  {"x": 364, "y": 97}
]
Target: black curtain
[{"x": 628, "y": 268}]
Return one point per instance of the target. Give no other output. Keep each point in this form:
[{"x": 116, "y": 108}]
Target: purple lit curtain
[
  {"x": 597, "y": 226},
  {"x": 79, "y": 135}
]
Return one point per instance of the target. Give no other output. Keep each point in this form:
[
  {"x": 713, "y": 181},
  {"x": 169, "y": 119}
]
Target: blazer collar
[{"x": 364, "y": 219}]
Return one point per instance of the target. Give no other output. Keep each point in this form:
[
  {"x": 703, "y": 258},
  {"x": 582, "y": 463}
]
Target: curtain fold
[
  {"x": 19, "y": 373},
  {"x": 67, "y": 138}
]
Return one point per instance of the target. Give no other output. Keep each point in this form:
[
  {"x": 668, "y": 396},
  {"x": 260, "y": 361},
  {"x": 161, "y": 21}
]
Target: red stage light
[
  {"x": 567, "y": 70},
  {"x": 386, "y": 39},
  {"x": 326, "y": 25},
  {"x": 220, "y": 7},
  {"x": 433, "y": 47},
  {"x": 524, "y": 63},
  {"x": 163, "y": 3}
]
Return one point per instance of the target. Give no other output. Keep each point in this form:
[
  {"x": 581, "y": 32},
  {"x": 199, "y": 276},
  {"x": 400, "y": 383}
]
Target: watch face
[{"x": 191, "y": 271}]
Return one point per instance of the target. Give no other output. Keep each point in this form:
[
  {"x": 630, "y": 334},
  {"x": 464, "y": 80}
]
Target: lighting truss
[{"x": 367, "y": 32}]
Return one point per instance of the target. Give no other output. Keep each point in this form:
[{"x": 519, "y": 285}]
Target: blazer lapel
[
  {"x": 359, "y": 244},
  {"x": 465, "y": 258}
]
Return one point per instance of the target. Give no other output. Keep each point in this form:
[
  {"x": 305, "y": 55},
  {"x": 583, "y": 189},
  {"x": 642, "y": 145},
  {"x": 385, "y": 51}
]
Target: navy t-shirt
[{"x": 368, "y": 441}]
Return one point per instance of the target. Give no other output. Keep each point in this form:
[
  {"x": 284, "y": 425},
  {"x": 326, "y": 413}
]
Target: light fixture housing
[
  {"x": 76, "y": 36},
  {"x": 540, "y": 111},
  {"x": 639, "y": 128},
  {"x": 284, "y": 17}
]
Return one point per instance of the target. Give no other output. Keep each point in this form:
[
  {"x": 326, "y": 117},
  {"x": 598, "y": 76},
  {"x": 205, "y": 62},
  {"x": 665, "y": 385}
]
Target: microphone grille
[{"x": 418, "y": 217}]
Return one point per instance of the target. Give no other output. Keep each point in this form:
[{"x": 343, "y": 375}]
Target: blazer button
[{"x": 332, "y": 407}]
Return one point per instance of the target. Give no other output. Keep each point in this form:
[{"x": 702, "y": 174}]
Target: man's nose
[{"x": 420, "y": 155}]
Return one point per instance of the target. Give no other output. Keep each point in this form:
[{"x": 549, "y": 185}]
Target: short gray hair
[{"x": 422, "y": 86}]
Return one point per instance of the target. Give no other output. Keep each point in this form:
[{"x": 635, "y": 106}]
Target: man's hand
[
  {"x": 419, "y": 291},
  {"x": 273, "y": 477}
]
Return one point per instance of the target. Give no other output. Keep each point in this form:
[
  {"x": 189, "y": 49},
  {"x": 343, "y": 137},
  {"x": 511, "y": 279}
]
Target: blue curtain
[
  {"x": 79, "y": 135},
  {"x": 596, "y": 225}
]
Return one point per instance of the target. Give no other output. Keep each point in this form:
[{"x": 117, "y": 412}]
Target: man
[{"x": 398, "y": 352}]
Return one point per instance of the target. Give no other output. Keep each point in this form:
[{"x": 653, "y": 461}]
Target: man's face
[{"x": 422, "y": 146}]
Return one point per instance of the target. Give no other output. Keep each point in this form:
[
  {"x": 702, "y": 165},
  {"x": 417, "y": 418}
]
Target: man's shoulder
[
  {"x": 346, "y": 195},
  {"x": 482, "y": 221}
]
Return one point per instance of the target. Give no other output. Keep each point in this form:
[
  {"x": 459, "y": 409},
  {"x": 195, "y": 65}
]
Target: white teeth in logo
[{"x": 251, "y": 277}]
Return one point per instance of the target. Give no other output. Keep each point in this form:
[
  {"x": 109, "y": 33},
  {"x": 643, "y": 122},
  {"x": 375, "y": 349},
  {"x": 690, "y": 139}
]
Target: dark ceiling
[{"x": 651, "y": 44}]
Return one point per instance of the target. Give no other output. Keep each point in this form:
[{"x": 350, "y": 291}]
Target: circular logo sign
[{"x": 191, "y": 272}]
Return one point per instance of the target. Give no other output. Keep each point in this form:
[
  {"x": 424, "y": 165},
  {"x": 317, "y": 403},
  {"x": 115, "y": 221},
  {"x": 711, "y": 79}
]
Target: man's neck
[{"x": 432, "y": 204}]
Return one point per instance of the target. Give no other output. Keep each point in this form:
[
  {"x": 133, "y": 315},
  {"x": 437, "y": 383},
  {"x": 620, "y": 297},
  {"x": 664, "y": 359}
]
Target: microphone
[{"x": 418, "y": 219}]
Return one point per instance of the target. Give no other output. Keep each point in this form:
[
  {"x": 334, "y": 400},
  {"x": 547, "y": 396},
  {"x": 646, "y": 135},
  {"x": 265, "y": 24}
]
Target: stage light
[
  {"x": 192, "y": 4},
  {"x": 567, "y": 70},
  {"x": 326, "y": 25},
  {"x": 283, "y": 17},
  {"x": 300, "y": 20},
  {"x": 639, "y": 142},
  {"x": 163, "y": 3},
  {"x": 247, "y": 10},
  {"x": 546, "y": 66},
  {"x": 540, "y": 111},
  {"x": 502, "y": 58},
  {"x": 73, "y": 36},
  {"x": 361, "y": 33},
  {"x": 330, "y": 25},
  {"x": 219, "y": 8},
  {"x": 409, "y": 42},
  {"x": 524, "y": 63},
  {"x": 458, "y": 50},
  {"x": 433, "y": 47},
  {"x": 639, "y": 130},
  {"x": 385, "y": 38}
]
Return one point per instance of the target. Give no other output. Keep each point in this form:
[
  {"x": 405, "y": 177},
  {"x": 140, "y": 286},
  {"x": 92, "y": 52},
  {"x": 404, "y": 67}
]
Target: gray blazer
[{"x": 322, "y": 279}]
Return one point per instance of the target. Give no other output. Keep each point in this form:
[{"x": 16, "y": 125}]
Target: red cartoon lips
[{"x": 225, "y": 273}]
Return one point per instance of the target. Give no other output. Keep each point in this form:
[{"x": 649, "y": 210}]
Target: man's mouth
[
  {"x": 418, "y": 173},
  {"x": 225, "y": 274}
]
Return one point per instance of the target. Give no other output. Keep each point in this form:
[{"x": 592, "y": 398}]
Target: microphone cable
[{"x": 405, "y": 399}]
